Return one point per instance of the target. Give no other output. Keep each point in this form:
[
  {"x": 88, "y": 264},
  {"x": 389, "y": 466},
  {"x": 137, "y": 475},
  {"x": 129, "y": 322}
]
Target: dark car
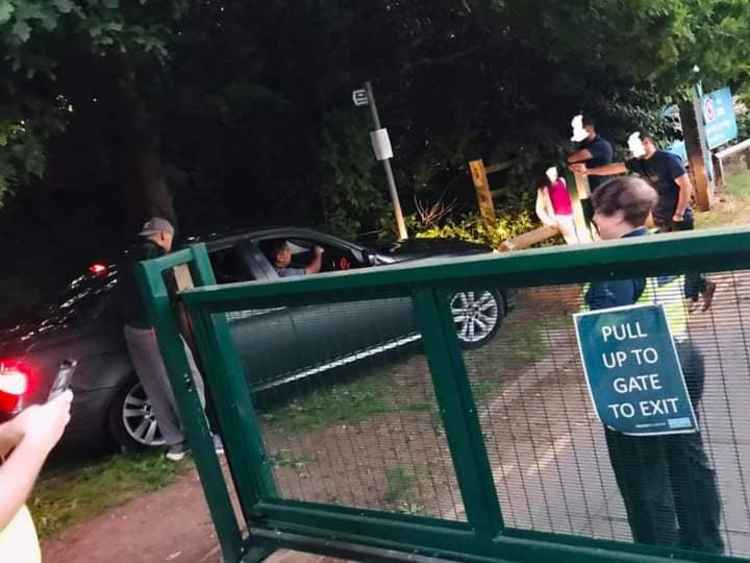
[{"x": 109, "y": 401}]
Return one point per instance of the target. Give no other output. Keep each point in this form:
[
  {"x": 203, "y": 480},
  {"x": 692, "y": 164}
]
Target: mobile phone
[{"x": 63, "y": 379}]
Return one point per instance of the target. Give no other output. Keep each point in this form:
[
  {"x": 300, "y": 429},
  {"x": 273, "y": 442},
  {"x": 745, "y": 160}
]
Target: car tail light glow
[
  {"x": 98, "y": 269},
  {"x": 15, "y": 380}
]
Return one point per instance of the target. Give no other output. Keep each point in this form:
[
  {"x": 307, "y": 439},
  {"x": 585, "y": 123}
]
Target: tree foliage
[{"x": 241, "y": 111}]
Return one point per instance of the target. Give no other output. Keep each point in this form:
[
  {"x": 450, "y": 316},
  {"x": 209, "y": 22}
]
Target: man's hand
[
  {"x": 579, "y": 168},
  {"x": 317, "y": 261},
  {"x": 678, "y": 217},
  {"x": 42, "y": 425}
]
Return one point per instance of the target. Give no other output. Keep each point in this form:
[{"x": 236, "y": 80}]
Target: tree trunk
[{"x": 146, "y": 190}]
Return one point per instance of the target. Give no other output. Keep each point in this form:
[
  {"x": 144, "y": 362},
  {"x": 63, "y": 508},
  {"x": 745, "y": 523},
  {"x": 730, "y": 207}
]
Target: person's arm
[
  {"x": 541, "y": 207},
  {"x": 683, "y": 200},
  {"x": 581, "y": 155},
  {"x": 38, "y": 429},
  {"x": 317, "y": 261},
  {"x": 10, "y": 435},
  {"x": 605, "y": 170},
  {"x": 17, "y": 477}
]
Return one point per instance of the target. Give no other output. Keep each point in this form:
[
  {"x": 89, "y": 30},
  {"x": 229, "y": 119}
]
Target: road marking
[{"x": 557, "y": 447}]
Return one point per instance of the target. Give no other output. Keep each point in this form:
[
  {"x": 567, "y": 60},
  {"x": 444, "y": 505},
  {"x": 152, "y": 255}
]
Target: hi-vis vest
[{"x": 669, "y": 292}]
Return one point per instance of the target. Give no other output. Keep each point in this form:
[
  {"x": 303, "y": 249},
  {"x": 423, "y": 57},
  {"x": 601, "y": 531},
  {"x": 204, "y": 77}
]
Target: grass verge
[
  {"x": 401, "y": 491},
  {"x": 734, "y": 206},
  {"x": 73, "y": 494},
  {"x": 351, "y": 402}
]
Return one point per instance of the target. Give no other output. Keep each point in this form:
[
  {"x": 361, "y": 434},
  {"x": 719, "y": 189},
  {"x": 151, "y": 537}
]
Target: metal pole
[{"x": 400, "y": 223}]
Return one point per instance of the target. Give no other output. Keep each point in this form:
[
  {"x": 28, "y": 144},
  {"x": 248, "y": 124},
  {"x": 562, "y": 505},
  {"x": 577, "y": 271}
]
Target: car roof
[{"x": 220, "y": 240}]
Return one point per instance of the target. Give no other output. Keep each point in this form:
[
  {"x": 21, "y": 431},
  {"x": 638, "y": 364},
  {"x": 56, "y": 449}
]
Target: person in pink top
[{"x": 554, "y": 206}]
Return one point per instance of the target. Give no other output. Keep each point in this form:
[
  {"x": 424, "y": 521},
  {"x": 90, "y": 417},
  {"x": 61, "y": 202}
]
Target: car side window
[
  {"x": 229, "y": 267},
  {"x": 335, "y": 258}
]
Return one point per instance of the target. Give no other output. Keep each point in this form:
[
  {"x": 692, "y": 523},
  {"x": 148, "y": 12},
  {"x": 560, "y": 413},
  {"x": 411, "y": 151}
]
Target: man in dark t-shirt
[
  {"x": 593, "y": 151},
  {"x": 666, "y": 173},
  {"x": 280, "y": 256}
]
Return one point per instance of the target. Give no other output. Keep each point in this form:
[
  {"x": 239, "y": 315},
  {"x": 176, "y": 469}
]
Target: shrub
[{"x": 471, "y": 228}]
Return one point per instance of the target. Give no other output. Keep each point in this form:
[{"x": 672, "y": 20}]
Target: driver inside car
[{"x": 281, "y": 258}]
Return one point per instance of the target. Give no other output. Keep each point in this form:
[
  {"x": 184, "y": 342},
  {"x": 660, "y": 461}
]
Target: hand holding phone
[{"x": 63, "y": 379}]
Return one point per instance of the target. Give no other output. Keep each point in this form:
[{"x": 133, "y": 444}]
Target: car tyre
[
  {"x": 132, "y": 422},
  {"x": 478, "y": 315}
]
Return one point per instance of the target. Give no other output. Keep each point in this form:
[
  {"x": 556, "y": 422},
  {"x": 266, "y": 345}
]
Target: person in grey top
[{"x": 281, "y": 258}]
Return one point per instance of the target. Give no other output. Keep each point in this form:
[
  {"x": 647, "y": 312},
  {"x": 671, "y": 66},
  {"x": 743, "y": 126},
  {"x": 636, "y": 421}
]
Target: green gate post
[
  {"x": 239, "y": 424},
  {"x": 156, "y": 297},
  {"x": 459, "y": 412}
]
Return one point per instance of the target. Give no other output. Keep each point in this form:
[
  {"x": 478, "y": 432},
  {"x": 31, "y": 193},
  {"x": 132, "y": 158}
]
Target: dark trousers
[
  {"x": 695, "y": 283},
  {"x": 667, "y": 485},
  {"x": 145, "y": 355}
]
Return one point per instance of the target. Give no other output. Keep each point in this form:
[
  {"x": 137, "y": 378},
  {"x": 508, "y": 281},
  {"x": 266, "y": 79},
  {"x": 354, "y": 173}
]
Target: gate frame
[{"x": 271, "y": 522}]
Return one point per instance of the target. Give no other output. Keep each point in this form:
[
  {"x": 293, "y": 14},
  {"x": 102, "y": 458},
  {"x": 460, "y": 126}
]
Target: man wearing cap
[{"x": 154, "y": 240}]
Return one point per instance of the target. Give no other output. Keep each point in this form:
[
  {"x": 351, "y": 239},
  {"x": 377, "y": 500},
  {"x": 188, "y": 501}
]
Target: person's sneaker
[
  {"x": 176, "y": 452},
  {"x": 708, "y": 295},
  {"x": 218, "y": 445}
]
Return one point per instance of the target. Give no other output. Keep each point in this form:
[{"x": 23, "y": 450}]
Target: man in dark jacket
[{"x": 154, "y": 240}]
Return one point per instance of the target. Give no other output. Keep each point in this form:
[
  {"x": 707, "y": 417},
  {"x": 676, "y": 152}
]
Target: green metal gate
[{"x": 391, "y": 446}]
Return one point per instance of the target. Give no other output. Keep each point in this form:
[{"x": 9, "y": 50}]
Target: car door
[
  {"x": 331, "y": 335},
  {"x": 261, "y": 336}
]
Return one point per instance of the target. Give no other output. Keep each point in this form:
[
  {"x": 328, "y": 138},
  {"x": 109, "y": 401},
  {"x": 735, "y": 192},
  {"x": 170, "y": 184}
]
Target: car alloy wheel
[
  {"x": 477, "y": 315},
  {"x": 139, "y": 419}
]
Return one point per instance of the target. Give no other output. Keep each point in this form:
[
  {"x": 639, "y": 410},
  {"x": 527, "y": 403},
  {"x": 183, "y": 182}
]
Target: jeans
[
  {"x": 695, "y": 283},
  {"x": 667, "y": 485}
]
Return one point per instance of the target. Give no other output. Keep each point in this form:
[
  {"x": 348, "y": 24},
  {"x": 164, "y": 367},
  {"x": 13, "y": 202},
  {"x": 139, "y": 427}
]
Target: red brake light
[
  {"x": 97, "y": 269},
  {"x": 14, "y": 383}
]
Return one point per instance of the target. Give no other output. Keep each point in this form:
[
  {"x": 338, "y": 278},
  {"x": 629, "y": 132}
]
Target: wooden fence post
[
  {"x": 484, "y": 197},
  {"x": 698, "y": 172}
]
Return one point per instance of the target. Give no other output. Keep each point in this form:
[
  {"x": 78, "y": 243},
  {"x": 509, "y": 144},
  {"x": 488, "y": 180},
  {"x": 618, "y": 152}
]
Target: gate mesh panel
[
  {"x": 547, "y": 449},
  {"x": 347, "y": 407}
]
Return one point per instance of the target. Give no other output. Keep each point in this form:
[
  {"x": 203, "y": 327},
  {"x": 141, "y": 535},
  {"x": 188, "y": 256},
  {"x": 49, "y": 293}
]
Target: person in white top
[
  {"x": 554, "y": 206},
  {"x": 25, "y": 443}
]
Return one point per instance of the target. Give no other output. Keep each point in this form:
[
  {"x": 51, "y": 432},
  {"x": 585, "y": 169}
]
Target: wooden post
[
  {"x": 484, "y": 197},
  {"x": 719, "y": 180},
  {"x": 183, "y": 278},
  {"x": 530, "y": 238},
  {"x": 581, "y": 185},
  {"x": 694, "y": 147}
]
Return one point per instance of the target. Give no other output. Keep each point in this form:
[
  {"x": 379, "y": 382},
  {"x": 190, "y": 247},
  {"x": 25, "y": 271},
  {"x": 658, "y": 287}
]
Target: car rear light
[
  {"x": 15, "y": 380},
  {"x": 98, "y": 269}
]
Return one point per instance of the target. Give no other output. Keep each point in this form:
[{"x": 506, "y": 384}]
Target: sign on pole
[
  {"x": 633, "y": 372},
  {"x": 359, "y": 97},
  {"x": 719, "y": 117},
  {"x": 381, "y": 144}
]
